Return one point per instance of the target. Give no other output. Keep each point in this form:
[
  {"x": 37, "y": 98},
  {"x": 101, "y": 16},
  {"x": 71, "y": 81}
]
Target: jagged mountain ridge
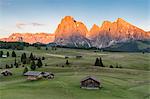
[
  {"x": 30, "y": 37},
  {"x": 75, "y": 34},
  {"x": 112, "y": 32}
]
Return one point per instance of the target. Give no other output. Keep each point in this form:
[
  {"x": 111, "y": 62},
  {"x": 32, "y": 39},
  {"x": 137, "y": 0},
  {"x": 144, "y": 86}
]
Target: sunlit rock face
[
  {"x": 71, "y": 33},
  {"x": 118, "y": 31},
  {"x": 94, "y": 31},
  {"x": 44, "y": 38}
]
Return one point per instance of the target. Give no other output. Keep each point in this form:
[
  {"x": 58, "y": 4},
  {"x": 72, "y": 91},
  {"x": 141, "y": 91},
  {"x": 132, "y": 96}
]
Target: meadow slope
[{"x": 129, "y": 82}]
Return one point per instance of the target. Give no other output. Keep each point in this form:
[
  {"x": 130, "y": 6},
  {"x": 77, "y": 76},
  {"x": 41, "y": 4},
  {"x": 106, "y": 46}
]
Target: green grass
[{"x": 130, "y": 82}]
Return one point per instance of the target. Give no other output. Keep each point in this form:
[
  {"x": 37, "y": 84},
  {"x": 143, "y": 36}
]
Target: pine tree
[
  {"x": 7, "y": 54},
  {"x": 15, "y": 62},
  {"x": 23, "y": 58},
  {"x": 100, "y": 62},
  {"x": 31, "y": 56},
  {"x": 25, "y": 70},
  {"x": 7, "y": 66},
  {"x": 1, "y": 53},
  {"x": 97, "y": 62},
  {"x": 33, "y": 66},
  {"x": 11, "y": 65},
  {"x": 13, "y": 54},
  {"x": 39, "y": 63}
]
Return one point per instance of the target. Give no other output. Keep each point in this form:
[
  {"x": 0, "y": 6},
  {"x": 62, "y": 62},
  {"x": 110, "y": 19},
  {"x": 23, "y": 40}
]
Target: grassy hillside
[
  {"x": 129, "y": 82},
  {"x": 131, "y": 46}
]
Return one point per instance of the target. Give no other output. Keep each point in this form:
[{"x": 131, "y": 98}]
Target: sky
[{"x": 44, "y": 15}]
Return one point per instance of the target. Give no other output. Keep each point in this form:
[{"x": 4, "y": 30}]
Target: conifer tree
[
  {"x": 1, "y": 53},
  {"x": 97, "y": 62},
  {"x": 39, "y": 63},
  {"x": 25, "y": 70},
  {"x": 31, "y": 56},
  {"x": 33, "y": 66},
  {"x": 23, "y": 58},
  {"x": 13, "y": 54},
  {"x": 7, "y": 54},
  {"x": 100, "y": 62}
]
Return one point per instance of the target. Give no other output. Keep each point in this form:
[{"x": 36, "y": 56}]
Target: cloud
[
  {"x": 21, "y": 25},
  {"x": 37, "y": 24}
]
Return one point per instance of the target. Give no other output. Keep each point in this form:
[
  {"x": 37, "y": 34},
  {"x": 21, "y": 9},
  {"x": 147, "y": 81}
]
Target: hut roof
[
  {"x": 90, "y": 77},
  {"x": 46, "y": 73},
  {"x": 32, "y": 73},
  {"x": 36, "y": 73}
]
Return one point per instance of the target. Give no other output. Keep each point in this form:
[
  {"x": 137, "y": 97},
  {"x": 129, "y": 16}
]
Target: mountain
[
  {"x": 30, "y": 37},
  {"x": 113, "y": 32},
  {"x": 71, "y": 33}
]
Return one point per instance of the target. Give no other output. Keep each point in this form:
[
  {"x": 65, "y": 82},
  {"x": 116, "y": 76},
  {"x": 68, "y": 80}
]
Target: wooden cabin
[
  {"x": 33, "y": 75},
  {"x": 6, "y": 72},
  {"x": 47, "y": 75},
  {"x": 90, "y": 83}
]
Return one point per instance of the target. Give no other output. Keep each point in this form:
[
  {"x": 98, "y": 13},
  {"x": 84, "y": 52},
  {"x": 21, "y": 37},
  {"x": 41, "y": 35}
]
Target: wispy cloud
[
  {"x": 21, "y": 25},
  {"x": 37, "y": 24}
]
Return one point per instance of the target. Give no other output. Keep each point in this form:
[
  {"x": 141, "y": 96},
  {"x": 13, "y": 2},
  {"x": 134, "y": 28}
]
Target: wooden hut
[
  {"x": 6, "y": 72},
  {"x": 90, "y": 83},
  {"x": 47, "y": 75},
  {"x": 33, "y": 75}
]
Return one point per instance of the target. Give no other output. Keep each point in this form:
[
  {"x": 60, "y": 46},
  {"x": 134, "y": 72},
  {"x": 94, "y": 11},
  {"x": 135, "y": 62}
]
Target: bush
[
  {"x": 111, "y": 66},
  {"x": 67, "y": 62},
  {"x": 120, "y": 67},
  {"x": 43, "y": 58}
]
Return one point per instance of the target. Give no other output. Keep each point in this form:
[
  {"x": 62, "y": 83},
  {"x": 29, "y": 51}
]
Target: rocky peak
[
  {"x": 116, "y": 31},
  {"x": 71, "y": 31},
  {"x": 30, "y": 37},
  {"x": 106, "y": 25},
  {"x": 93, "y": 31},
  {"x": 69, "y": 27}
]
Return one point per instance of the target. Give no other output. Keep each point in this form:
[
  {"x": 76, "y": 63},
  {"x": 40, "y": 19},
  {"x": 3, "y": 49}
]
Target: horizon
[{"x": 21, "y": 16}]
